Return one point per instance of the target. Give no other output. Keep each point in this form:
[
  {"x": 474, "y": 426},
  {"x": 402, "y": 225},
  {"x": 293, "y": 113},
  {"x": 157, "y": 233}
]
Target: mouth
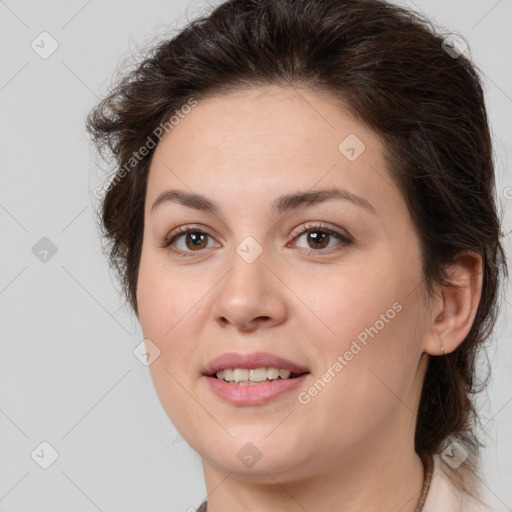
[
  {"x": 254, "y": 376},
  {"x": 252, "y": 367},
  {"x": 254, "y": 393}
]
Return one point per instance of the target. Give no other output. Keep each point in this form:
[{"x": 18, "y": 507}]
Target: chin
[{"x": 253, "y": 458}]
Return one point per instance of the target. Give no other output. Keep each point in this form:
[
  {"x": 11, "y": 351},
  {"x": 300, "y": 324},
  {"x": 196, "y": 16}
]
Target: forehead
[
  {"x": 267, "y": 141},
  {"x": 263, "y": 119}
]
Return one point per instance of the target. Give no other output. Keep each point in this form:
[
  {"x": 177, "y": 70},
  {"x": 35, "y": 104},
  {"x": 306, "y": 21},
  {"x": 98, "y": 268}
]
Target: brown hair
[{"x": 391, "y": 68}]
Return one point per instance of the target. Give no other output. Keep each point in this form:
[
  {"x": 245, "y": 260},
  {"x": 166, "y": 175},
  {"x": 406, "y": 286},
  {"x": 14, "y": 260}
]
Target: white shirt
[{"x": 443, "y": 496}]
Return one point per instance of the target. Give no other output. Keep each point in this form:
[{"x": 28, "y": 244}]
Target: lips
[{"x": 252, "y": 360}]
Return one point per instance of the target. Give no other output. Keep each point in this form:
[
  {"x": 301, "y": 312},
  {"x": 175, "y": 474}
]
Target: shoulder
[{"x": 443, "y": 495}]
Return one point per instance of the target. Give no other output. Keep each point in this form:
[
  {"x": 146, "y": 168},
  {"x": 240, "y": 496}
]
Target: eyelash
[{"x": 184, "y": 230}]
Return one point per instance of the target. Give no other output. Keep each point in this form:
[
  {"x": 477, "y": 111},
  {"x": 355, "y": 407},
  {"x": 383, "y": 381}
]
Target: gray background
[{"x": 67, "y": 372}]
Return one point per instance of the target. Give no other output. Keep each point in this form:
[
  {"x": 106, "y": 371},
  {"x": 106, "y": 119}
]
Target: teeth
[
  {"x": 258, "y": 374},
  {"x": 240, "y": 374},
  {"x": 284, "y": 374},
  {"x": 248, "y": 377},
  {"x": 273, "y": 373}
]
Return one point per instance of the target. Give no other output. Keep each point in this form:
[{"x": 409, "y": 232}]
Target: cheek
[
  {"x": 350, "y": 304},
  {"x": 165, "y": 299},
  {"x": 171, "y": 312},
  {"x": 168, "y": 318},
  {"x": 364, "y": 385},
  {"x": 368, "y": 335}
]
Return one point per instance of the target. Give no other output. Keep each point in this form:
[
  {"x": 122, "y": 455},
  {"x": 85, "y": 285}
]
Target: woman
[{"x": 303, "y": 218}]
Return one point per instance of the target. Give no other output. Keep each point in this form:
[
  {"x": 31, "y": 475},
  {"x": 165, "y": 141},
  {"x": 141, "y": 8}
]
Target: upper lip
[{"x": 252, "y": 360}]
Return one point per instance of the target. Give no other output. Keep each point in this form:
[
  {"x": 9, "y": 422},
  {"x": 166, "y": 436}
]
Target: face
[{"x": 329, "y": 283}]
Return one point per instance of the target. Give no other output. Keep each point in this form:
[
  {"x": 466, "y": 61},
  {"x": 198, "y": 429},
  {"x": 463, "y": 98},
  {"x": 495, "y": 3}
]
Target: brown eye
[
  {"x": 187, "y": 240},
  {"x": 195, "y": 240},
  {"x": 319, "y": 238}
]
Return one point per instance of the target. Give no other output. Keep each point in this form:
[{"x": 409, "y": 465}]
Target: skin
[{"x": 351, "y": 447}]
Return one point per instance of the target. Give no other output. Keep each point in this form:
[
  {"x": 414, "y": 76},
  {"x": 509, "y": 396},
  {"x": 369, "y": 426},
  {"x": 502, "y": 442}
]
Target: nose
[{"x": 250, "y": 296}]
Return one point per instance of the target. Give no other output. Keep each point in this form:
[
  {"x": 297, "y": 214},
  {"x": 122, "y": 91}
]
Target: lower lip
[{"x": 257, "y": 394}]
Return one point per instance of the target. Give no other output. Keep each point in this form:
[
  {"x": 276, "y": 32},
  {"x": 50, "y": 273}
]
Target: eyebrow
[{"x": 282, "y": 204}]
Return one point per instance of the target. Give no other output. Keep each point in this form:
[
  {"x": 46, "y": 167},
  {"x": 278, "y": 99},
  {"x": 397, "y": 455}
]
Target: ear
[{"x": 454, "y": 307}]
